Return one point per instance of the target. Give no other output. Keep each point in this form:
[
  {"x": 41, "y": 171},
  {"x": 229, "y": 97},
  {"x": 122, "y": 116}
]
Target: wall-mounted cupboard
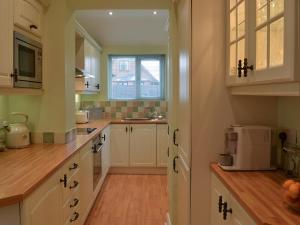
[
  {"x": 88, "y": 56},
  {"x": 262, "y": 47}
]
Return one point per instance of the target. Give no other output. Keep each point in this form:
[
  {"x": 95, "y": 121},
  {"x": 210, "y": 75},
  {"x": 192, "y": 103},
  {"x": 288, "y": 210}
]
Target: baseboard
[
  {"x": 168, "y": 220},
  {"x": 138, "y": 170}
]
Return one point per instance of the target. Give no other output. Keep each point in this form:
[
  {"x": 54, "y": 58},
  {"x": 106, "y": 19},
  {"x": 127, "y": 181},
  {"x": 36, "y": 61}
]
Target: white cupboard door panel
[
  {"x": 119, "y": 145},
  {"x": 162, "y": 145},
  {"x": 183, "y": 193},
  {"x": 143, "y": 145},
  {"x": 28, "y": 14},
  {"x": 239, "y": 215},
  {"x": 6, "y": 43},
  {"x": 106, "y": 151}
]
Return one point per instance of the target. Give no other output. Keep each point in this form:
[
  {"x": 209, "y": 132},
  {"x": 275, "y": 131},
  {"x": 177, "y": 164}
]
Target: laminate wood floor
[{"x": 131, "y": 200}]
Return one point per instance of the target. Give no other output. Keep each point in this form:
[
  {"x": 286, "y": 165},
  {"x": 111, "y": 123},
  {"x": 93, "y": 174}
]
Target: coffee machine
[{"x": 247, "y": 148}]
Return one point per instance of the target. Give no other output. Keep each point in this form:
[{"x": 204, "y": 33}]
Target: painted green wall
[
  {"x": 289, "y": 112},
  {"x": 122, "y": 50}
]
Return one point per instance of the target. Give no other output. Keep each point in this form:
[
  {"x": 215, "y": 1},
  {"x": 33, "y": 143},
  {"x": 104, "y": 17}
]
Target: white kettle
[{"x": 17, "y": 135}]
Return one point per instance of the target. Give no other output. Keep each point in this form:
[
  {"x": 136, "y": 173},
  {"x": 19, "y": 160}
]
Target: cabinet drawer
[
  {"x": 72, "y": 187},
  {"x": 71, "y": 206}
]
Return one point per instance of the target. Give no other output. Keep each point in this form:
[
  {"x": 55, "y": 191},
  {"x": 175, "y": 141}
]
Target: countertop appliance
[
  {"x": 27, "y": 62},
  {"x": 249, "y": 147},
  {"x": 82, "y": 116},
  {"x": 17, "y": 135},
  {"x": 97, "y": 147}
]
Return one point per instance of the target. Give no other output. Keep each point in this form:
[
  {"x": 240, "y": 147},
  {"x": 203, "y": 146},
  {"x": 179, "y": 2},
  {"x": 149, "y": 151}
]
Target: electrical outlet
[{"x": 292, "y": 136}]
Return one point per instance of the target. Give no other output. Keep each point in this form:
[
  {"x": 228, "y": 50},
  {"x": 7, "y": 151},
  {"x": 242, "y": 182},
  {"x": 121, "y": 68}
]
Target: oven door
[
  {"x": 27, "y": 64},
  {"x": 97, "y": 166}
]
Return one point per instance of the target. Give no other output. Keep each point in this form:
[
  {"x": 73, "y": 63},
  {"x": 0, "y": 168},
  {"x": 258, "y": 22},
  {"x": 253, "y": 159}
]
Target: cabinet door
[
  {"x": 106, "y": 151},
  {"x": 44, "y": 206},
  {"x": 162, "y": 145},
  {"x": 119, "y": 145},
  {"x": 28, "y": 14},
  {"x": 6, "y": 43},
  {"x": 143, "y": 145},
  {"x": 239, "y": 215},
  {"x": 86, "y": 179},
  {"x": 97, "y": 56}
]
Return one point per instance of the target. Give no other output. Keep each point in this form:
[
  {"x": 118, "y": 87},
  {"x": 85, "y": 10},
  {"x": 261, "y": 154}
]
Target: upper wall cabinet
[
  {"x": 28, "y": 15},
  {"x": 263, "y": 47}
]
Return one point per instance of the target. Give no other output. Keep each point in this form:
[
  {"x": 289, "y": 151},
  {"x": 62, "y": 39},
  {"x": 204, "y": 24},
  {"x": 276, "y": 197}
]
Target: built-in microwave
[{"x": 27, "y": 62}]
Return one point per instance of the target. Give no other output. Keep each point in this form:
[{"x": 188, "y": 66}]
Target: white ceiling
[{"x": 126, "y": 27}]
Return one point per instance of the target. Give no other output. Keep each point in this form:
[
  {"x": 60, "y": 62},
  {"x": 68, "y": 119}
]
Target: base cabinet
[
  {"x": 162, "y": 145},
  {"x": 220, "y": 197},
  {"x": 105, "y": 152}
]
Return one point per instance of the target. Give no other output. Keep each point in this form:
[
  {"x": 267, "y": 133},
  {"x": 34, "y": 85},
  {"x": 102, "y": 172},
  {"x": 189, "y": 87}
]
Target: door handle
[
  {"x": 175, "y": 137},
  {"x": 126, "y": 129},
  {"x": 174, "y": 164},
  {"x": 64, "y": 180},
  {"x": 220, "y": 204}
]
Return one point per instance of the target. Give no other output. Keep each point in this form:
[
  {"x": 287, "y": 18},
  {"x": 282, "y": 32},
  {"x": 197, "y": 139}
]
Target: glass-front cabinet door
[{"x": 267, "y": 41}]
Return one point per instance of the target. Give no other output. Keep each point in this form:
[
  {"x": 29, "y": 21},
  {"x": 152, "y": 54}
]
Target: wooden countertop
[
  {"x": 260, "y": 194},
  {"x": 23, "y": 170}
]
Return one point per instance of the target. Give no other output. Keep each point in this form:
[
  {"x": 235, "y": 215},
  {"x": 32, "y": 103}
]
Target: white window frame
[{"x": 139, "y": 58}]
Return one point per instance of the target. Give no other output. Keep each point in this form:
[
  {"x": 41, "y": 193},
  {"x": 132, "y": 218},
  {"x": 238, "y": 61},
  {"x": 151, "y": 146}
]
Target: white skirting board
[{"x": 168, "y": 220}]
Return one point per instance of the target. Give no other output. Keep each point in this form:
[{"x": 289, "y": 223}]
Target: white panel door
[
  {"x": 119, "y": 145},
  {"x": 162, "y": 144},
  {"x": 143, "y": 145},
  {"x": 6, "y": 42}
]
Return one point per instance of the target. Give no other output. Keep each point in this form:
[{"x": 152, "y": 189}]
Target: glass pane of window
[
  {"x": 233, "y": 62},
  {"x": 261, "y": 48},
  {"x": 232, "y": 3},
  {"x": 261, "y": 11},
  {"x": 241, "y": 19},
  {"x": 277, "y": 42},
  {"x": 276, "y": 7},
  {"x": 150, "y": 82},
  {"x": 123, "y": 80},
  {"x": 233, "y": 25},
  {"x": 241, "y": 50}
]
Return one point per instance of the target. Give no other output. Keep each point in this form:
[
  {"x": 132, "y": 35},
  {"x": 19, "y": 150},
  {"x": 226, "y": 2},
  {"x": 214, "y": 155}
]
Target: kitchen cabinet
[
  {"x": 143, "y": 145},
  {"x": 264, "y": 33},
  {"x": 162, "y": 145},
  {"x": 119, "y": 144},
  {"x": 221, "y": 196},
  {"x": 105, "y": 151},
  {"x": 6, "y": 43},
  {"x": 88, "y": 57},
  {"x": 28, "y": 14},
  {"x": 86, "y": 179}
]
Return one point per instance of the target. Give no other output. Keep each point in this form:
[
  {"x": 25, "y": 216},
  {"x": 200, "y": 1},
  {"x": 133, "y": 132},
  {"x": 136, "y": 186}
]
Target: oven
[
  {"x": 27, "y": 62},
  {"x": 97, "y": 160}
]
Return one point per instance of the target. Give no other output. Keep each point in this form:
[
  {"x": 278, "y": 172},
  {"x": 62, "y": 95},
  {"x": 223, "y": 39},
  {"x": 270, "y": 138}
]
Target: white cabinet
[
  {"x": 28, "y": 14},
  {"x": 119, "y": 143},
  {"x": 264, "y": 33},
  {"x": 106, "y": 151},
  {"x": 143, "y": 145},
  {"x": 6, "y": 42},
  {"x": 86, "y": 180},
  {"x": 221, "y": 196},
  {"x": 162, "y": 145}
]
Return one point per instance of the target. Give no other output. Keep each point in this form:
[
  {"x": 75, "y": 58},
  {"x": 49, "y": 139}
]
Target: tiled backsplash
[{"x": 132, "y": 109}]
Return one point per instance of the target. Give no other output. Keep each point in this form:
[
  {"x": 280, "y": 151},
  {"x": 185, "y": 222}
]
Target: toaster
[
  {"x": 248, "y": 147},
  {"x": 82, "y": 116}
]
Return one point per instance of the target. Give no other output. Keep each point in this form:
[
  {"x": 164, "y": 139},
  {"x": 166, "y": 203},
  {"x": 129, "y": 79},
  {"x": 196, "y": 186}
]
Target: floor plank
[{"x": 131, "y": 200}]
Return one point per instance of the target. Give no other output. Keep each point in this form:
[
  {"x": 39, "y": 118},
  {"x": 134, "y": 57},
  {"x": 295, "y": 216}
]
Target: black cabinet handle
[
  {"x": 126, "y": 129},
  {"x": 97, "y": 86},
  {"x": 32, "y": 26},
  {"x": 220, "y": 204},
  {"x": 174, "y": 164},
  {"x": 15, "y": 75},
  {"x": 64, "y": 180},
  {"x": 226, "y": 210},
  {"x": 246, "y": 67},
  {"x": 75, "y": 184},
  {"x": 75, "y": 217},
  {"x": 240, "y": 68},
  {"x": 75, "y": 203},
  {"x": 74, "y": 167},
  {"x": 175, "y": 137},
  {"x": 131, "y": 129},
  {"x": 103, "y": 137},
  {"x": 168, "y": 152},
  {"x": 87, "y": 84}
]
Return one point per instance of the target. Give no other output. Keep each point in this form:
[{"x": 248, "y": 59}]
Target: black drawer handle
[
  {"x": 75, "y": 184},
  {"x": 174, "y": 164},
  {"x": 32, "y": 26},
  {"x": 225, "y": 211},
  {"x": 175, "y": 137},
  {"x": 75, "y": 203},
  {"x": 103, "y": 137},
  {"x": 64, "y": 180},
  {"x": 220, "y": 204},
  {"x": 75, "y": 217},
  {"x": 74, "y": 167}
]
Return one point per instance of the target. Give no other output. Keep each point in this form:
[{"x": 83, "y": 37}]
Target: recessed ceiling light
[
  {"x": 154, "y": 12},
  {"x": 110, "y": 13}
]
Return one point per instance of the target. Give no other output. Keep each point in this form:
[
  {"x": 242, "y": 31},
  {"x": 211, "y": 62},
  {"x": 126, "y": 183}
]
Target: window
[{"x": 136, "y": 77}]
